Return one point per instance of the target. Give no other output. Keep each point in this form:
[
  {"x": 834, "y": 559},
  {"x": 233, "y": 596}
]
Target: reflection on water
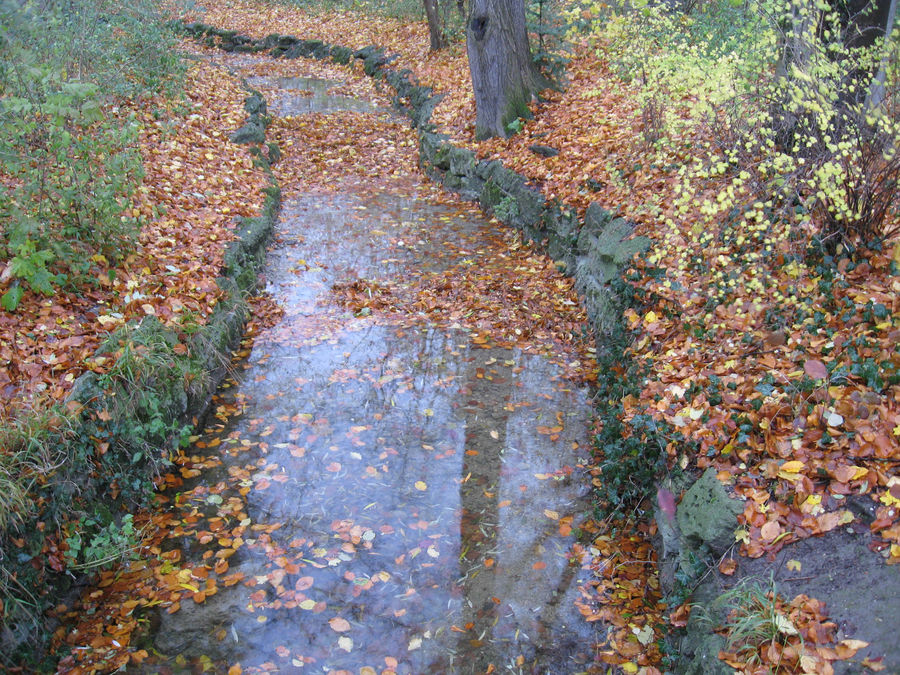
[
  {"x": 303, "y": 95},
  {"x": 388, "y": 495}
]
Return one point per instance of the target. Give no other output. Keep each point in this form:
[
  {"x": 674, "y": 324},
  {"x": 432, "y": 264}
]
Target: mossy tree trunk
[{"x": 504, "y": 77}]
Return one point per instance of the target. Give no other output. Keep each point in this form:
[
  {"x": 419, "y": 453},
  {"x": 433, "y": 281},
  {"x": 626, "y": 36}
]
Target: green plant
[
  {"x": 147, "y": 377},
  {"x": 507, "y": 209},
  {"x": 67, "y": 153},
  {"x": 631, "y": 450},
  {"x": 753, "y": 617},
  {"x": 515, "y": 126},
  {"x": 32, "y": 450},
  {"x": 101, "y": 542},
  {"x": 548, "y": 25}
]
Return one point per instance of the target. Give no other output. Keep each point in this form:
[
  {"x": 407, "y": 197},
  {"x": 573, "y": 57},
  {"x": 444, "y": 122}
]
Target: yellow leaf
[
  {"x": 421, "y": 485},
  {"x": 650, "y": 317},
  {"x": 630, "y": 667},
  {"x": 794, "y": 565},
  {"x": 107, "y": 320},
  {"x": 794, "y": 466},
  {"x": 859, "y": 473},
  {"x": 552, "y": 515}
]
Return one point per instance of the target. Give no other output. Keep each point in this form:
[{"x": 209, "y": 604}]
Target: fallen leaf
[{"x": 339, "y": 624}]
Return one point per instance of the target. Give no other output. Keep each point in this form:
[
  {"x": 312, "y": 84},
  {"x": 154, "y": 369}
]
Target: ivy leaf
[{"x": 11, "y": 298}]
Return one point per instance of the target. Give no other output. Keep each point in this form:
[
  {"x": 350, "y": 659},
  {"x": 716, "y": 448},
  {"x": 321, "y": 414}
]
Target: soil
[{"x": 861, "y": 592}]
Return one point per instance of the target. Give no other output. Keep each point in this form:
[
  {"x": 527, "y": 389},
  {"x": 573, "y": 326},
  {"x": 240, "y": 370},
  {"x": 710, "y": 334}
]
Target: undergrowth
[
  {"x": 68, "y": 154},
  {"x": 778, "y": 111},
  {"x": 631, "y": 452},
  {"x": 71, "y": 474}
]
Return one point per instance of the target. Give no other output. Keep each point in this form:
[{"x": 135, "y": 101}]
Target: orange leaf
[{"x": 770, "y": 530}]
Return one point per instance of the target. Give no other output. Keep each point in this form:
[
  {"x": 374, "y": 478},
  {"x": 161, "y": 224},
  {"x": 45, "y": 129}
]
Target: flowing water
[{"x": 375, "y": 492}]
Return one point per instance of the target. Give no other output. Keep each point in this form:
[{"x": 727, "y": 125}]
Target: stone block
[
  {"x": 462, "y": 161},
  {"x": 707, "y": 516}
]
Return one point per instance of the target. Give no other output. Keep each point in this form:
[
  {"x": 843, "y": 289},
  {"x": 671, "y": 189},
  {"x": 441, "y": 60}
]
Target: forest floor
[{"x": 790, "y": 393}]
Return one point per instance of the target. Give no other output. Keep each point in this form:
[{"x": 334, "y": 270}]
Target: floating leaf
[{"x": 339, "y": 624}]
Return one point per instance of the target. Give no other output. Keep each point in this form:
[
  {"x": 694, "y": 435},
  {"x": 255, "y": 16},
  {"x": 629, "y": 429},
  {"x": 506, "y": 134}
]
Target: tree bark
[
  {"x": 876, "y": 92},
  {"x": 863, "y": 23},
  {"x": 435, "y": 25},
  {"x": 504, "y": 77}
]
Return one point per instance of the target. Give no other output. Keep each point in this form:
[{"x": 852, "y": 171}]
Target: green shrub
[
  {"x": 100, "y": 542},
  {"x": 67, "y": 153},
  {"x": 778, "y": 105}
]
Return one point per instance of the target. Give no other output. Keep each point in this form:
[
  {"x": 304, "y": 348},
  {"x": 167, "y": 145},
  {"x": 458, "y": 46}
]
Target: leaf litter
[{"x": 812, "y": 462}]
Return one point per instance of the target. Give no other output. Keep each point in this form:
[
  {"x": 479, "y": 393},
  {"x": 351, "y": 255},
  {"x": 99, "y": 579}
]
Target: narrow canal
[{"x": 391, "y": 481}]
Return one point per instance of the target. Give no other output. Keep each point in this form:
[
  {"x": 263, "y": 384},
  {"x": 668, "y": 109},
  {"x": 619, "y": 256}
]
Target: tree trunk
[
  {"x": 863, "y": 23},
  {"x": 876, "y": 91},
  {"x": 504, "y": 77},
  {"x": 435, "y": 25}
]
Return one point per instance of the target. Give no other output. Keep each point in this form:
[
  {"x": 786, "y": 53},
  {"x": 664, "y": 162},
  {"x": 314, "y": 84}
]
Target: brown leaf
[{"x": 815, "y": 369}]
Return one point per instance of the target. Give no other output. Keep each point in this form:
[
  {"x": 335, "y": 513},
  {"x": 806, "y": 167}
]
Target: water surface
[{"x": 378, "y": 492}]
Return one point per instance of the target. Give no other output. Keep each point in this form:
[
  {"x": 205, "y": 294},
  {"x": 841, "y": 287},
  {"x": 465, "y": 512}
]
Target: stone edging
[{"x": 118, "y": 441}]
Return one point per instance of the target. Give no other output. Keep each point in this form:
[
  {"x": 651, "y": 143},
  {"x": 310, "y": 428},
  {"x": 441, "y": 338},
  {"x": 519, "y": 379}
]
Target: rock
[
  {"x": 249, "y": 133},
  {"x": 255, "y": 104},
  {"x": 430, "y": 146},
  {"x": 707, "y": 516},
  {"x": 462, "y": 161},
  {"x": 543, "y": 150}
]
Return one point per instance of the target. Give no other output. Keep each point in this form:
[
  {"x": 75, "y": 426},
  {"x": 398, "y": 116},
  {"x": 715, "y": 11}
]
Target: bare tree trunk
[
  {"x": 504, "y": 77},
  {"x": 435, "y": 25},
  {"x": 876, "y": 92}
]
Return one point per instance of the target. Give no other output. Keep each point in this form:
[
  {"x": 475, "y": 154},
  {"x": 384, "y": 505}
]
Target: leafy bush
[
  {"x": 67, "y": 152},
  {"x": 779, "y": 102},
  {"x": 95, "y": 544}
]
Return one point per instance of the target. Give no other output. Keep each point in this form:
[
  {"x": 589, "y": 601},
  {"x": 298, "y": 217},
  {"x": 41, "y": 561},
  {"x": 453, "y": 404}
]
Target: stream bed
[{"x": 375, "y": 491}]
